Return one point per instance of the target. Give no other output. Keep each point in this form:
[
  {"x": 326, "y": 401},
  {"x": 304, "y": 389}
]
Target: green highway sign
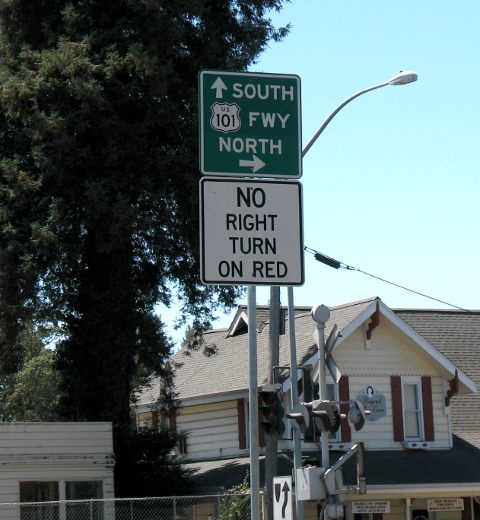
[{"x": 250, "y": 124}]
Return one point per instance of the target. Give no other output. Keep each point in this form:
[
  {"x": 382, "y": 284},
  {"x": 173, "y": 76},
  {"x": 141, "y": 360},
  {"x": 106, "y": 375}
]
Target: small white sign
[
  {"x": 251, "y": 232},
  {"x": 282, "y": 498},
  {"x": 445, "y": 504},
  {"x": 371, "y": 506}
]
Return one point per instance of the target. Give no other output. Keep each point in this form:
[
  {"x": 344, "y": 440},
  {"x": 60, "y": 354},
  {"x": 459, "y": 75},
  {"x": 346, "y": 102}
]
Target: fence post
[
  {"x": 174, "y": 508},
  {"x": 219, "y": 506}
]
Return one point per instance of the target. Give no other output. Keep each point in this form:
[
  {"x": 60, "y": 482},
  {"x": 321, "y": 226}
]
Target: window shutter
[
  {"x": 172, "y": 422},
  {"x": 397, "y": 411},
  {"x": 467, "y": 508},
  {"x": 344, "y": 395},
  {"x": 242, "y": 434},
  {"x": 261, "y": 434},
  {"x": 427, "y": 409},
  {"x": 155, "y": 421}
]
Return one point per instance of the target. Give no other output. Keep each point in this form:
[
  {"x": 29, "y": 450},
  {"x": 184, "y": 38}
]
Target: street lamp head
[{"x": 403, "y": 77}]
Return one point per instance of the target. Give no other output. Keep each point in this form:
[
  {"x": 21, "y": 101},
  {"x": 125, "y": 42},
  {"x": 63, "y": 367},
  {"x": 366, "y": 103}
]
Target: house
[
  {"x": 51, "y": 462},
  {"x": 416, "y": 370}
]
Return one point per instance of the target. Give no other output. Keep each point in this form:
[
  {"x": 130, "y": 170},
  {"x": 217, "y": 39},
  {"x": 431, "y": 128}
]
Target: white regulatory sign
[
  {"x": 282, "y": 498},
  {"x": 251, "y": 232}
]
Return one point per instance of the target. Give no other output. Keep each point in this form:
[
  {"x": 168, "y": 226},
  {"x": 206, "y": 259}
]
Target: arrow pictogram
[
  {"x": 255, "y": 163},
  {"x": 286, "y": 491},
  {"x": 219, "y": 87}
]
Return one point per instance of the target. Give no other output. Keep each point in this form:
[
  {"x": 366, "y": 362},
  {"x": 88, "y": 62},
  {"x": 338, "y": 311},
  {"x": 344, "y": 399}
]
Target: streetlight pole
[
  {"x": 320, "y": 313},
  {"x": 402, "y": 78}
]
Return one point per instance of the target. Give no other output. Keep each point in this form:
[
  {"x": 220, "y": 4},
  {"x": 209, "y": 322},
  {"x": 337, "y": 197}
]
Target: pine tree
[{"x": 99, "y": 179}]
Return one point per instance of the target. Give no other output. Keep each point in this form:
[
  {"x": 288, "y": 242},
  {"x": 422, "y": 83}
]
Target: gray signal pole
[
  {"x": 271, "y": 439},
  {"x": 401, "y": 78}
]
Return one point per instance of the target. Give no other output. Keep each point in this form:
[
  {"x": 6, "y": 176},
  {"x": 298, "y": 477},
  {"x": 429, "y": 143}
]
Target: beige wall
[
  {"x": 390, "y": 352},
  {"x": 212, "y": 430}
]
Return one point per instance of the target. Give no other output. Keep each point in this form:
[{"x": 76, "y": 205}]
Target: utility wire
[{"x": 328, "y": 260}]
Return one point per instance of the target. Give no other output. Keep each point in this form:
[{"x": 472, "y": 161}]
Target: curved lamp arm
[{"x": 402, "y": 78}]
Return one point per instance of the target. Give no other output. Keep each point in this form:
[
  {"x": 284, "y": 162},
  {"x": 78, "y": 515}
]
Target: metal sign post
[
  {"x": 321, "y": 314},
  {"x": 250, "y": 124},
  {"x": 253, "y": 404}
]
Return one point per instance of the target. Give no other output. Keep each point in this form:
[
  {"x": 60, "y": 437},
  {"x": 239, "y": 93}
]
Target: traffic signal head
[
  {"x": 356, "y": 415},
  {"x": 270, "y": 409},
  {"x": 300, "y": 416},
  {"x": 326, "y": 415}
]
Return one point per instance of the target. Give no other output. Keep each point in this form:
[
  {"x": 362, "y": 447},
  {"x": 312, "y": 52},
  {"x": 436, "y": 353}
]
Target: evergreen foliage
[
  {"x": 236, "y": 502},
  {"x": 32, "y": 393},
  {"x": 145, "y": 466},
  {"x": 99, "y": 180}
]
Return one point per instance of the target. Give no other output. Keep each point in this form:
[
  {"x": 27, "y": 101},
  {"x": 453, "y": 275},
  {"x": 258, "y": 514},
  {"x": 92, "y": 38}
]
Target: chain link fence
[{"x": 206, "y": 507}]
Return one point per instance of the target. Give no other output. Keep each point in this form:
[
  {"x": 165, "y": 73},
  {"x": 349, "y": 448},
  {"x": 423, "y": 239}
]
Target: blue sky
[{"x": 392, "y": 185}]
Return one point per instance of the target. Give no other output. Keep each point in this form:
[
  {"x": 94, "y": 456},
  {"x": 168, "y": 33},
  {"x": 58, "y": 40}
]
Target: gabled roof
[
  {"x": 226, "y": 372},
  {"x": 456, "y": 334},
  {"x": 423, "y": 344}
]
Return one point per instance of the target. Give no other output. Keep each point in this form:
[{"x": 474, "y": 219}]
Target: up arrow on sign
[
  {"x": 250, "y": 124},
  {"x": 219, "y": 87},
  {"x": 282, "y": 500}
]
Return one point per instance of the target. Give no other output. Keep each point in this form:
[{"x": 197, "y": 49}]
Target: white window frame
[
  {"x": 61, "y": 503},
  {"x": 417, "y": 382}
]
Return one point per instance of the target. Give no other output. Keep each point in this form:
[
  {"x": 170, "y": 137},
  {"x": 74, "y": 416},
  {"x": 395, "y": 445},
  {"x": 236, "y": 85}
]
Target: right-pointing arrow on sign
[{"x": 255, "y": 163}]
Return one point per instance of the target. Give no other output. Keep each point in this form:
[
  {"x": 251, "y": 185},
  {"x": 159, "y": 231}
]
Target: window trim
[{"x": 417, "y": 382}]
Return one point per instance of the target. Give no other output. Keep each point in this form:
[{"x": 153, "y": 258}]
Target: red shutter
[
  {"x": 155, "y": 421},
  {"x": 467, "y": 508},
  {"x": 344, "y": 395},
  {"x": 427, "y": 409},
  {"x": 172, "y": 422},
  {"x": 397, "y": 411},
  {"x": 261, "y": 434},
  {"x": 242, "y": 434}
]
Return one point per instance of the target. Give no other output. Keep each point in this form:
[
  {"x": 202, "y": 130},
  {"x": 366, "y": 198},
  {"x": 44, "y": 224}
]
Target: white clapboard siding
[
  {"x": 212, "y": 430},
  {"x": 55, "y": 438},
  {"x": 379, "y": 434},
  {"x": 54, "y": 452},
  {"x": 388, "y": 352}
]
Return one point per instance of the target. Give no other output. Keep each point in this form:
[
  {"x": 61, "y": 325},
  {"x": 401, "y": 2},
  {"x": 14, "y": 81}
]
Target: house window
[
  {"x": 182, "y": 443},
  {"x": 84, "y": 490},
  {"x": 145, "y": 420},
  {"x": 362, "y": 516},
  {"x": 412, "y": 409},
  {"x": 39, "y": 491},
  {"x": 367, "y": 516},
  {"x": 33, "y": 494}
]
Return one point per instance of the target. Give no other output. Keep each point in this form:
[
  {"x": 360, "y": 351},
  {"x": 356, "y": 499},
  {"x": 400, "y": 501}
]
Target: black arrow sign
[{"x": 285, "y": 490}]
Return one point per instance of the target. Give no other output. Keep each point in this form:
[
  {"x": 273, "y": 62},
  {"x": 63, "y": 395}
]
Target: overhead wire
[{"x": 336, "y": 264}]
